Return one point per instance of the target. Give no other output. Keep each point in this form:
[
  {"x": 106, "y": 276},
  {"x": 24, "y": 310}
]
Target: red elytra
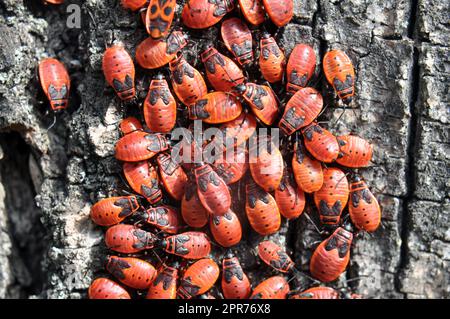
[
  {"x": 272, "y": 288},
  {"x": 238, "y": 39},
  {"x": 187, "y": 82},
  {"x": 111, "y": 211},
  {"x": 173, "y": 177},
  {"x": 55, "y": 82},
  {"x": 216, "y": 108},
  {"x": 262, "y": 210},
  {"x": 189, "y": 245},
  {"x": 160, "y": 107},
  {"x": 279, "y": 11},
  {"x": 138, "y": 146},
  {"x": 153, "y": 54},
  {"x": 212, "y": 191},
  {"x": 272, "y": 61},
  {"x": 308, "y": 172},
  {"x": 133, "y": 272},
  {"x": 266, "y": 163},
  {"x": 253, "y": 11},
  {"x": 128, "y": 239},
  {"x": 198, "y": 278},
  {"x": 129, "y": 125},
  {"x": 221, "y": 71},
  {"x": 332, "y": 197},
  {"x": 53, "y": 1},
  {"x": 231, "y": 166},
  {"x": 118, "y": 68},
  {"x": 300, "y": 67},
  {"x": 354, "y": 151},
  {"x": 159, "y": 17},
  {"x": 143, "y": 179},
  {"x": 340, "y": 73},
  {"x": 331, "y": 257},
  {"x": 165, "y": 284},
  {"x": 317, "y": 293},
  {"x": 226, "y": 229},
  {"x": 163, "y": 217},
  {"x": 363, "y": 207},
  {"x": 261, "y": 99},
  {"x": 133, "y": 5},
  {"x": 234, "y": 133},
  {"x": 202, "y": 14},
  {"x": 235, "y": 283},
  {"x": 192, "y": 210},
  {"x": 274, "y": 256},
  {"x": 321, "y": 143},
  {"x": 289, "y": 197},
  {"x": 103, "y": 288},
  {"x": 301, "y": 110}
]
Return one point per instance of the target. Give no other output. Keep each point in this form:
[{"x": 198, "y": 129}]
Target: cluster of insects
[{"x": 173, "y": 201}]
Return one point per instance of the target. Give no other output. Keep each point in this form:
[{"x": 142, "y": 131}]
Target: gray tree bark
[{"x": 49, "y": 248}]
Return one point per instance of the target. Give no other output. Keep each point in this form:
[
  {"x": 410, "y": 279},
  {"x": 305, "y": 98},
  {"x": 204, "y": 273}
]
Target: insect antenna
[{"x": 53, "y": 124}]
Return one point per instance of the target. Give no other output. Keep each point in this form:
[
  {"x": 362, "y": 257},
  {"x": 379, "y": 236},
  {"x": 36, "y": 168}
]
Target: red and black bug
[
  {"x": 279, "y": 11},
  {"x": 236, "y": 132},
  {"x": 192, "y": 210},
  {"x": 153, "y": 54},
  {"x": 300, "y": 67},
  {"x": 226, "y": 229},
  {"x": 273, "y": 288},
  {"x": 160, "y": 107},
  {"x": 222, "y": 72},
  {"x": 113, "y": 210},
  {"x": 363, "y": 207},
  {"x": 198, "y": 278},
  {"x": 133, "y": 5},
  {"x": 55, "y": 82},
  {"x": 103, "y": 288},
  {"x": 189, "y": 245},
  {"x": 262, "y": 210},
  {"x": 266, "y": 163},
  {"x": 159, "y": 17},
  {"x": 133, "y": 272},
  {"x": 317, "y": 293},
  {"x": 143, "y": 179},
  {"x": 339, "y": 71},
  {"x": 212, "y": 191},
  {"x": 272, "y": 61},
  {"x": 187, "y": 82},
  {"x": 289, "y": 197},
  {"x": 173, "y": 177},
  {"x": 216, "y": 108},
  {"x": 261, "y": 99},
  {"x": 202, "y": 14},
  {"x": 165, "y": 284},
  {"x": 238, "y": 39},
  {"x": 231, "y": 166},
  {"x": 130, "y": 125},
  {"x": 321, "y": 143},
  {"x": 308, "y": 172},
  {"x": 274, "y": 256},
  {"x": 253, "y": 11},
  {"x": 129, "y": 239},
  {"x": 118, "y": 68},
  {"x": 139, "y": 146},
  {"x": 235, "y": 283},
  {"x": 165, "y": 218},
  {"x": 302, "y": 109},
  {"x": 332, "y": 198},
  {"x": 331, "y": 257},
  {"x": 354, "y": 151}
]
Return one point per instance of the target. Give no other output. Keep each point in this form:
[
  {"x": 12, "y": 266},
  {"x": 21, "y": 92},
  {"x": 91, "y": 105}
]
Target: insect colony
[{"x": 312, "y": 161}]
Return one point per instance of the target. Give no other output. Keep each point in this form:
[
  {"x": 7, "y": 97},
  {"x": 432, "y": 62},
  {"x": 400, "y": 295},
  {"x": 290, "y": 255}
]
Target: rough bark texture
[{"x": 48, "y": 180}]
